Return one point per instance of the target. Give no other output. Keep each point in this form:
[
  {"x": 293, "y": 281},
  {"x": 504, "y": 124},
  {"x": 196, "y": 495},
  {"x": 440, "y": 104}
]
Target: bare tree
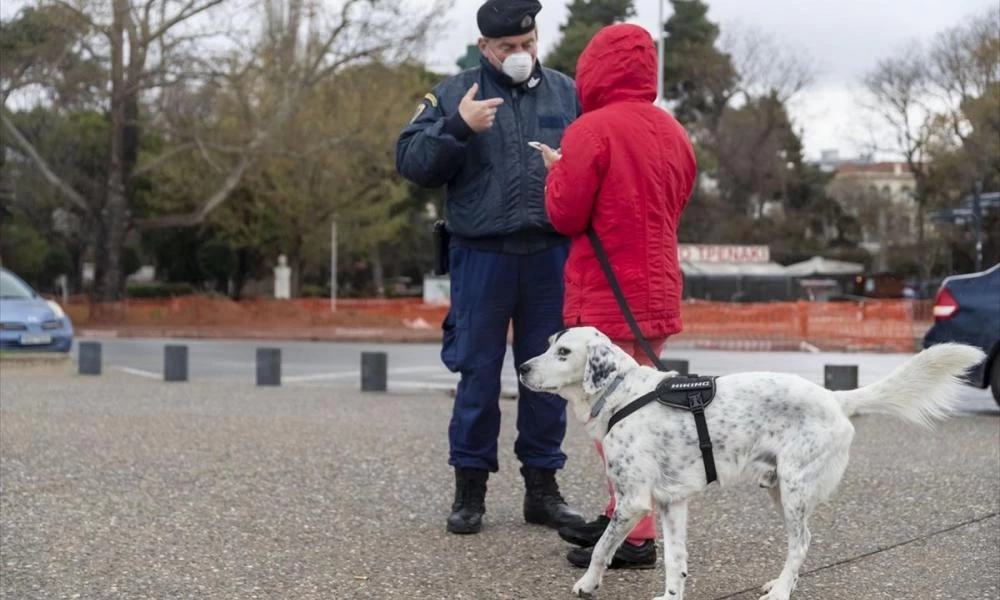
[
  {"x": 754, "y": 140},
  {"x": 152, "y": 45},
  {"x": 40, "y": 46},
  {"x": 334, "y": 160},
  {"x": 932, "y": 101},
  {"x": 898, "y": 94},
  {"x": 764, "y": 65},
  {"x": 300, "y": 47},
  {"x": 964, "y": 76},
  {"x": 129, "y": 36}
]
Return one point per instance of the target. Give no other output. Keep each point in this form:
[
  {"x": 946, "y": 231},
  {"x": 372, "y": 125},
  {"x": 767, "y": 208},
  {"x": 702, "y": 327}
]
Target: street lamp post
[{"x": 977, "y": 222}]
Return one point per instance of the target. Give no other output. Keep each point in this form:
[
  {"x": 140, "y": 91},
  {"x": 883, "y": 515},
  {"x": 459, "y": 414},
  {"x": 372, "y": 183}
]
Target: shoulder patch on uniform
[
  {"x": 420, "y": 110},
  {"x": 430, "y": 97}
]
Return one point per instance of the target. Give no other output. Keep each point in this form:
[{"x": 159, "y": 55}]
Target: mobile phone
[{"x": 536, "y": 145}]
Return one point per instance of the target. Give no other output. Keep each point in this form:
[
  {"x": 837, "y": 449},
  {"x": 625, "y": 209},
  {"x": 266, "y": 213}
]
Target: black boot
[
  {"x": 585, "y": 535},
  {"x": 470, "y": 501},
  {"x": 626, "y": 557},
  {"x": 543, "y": 504}
]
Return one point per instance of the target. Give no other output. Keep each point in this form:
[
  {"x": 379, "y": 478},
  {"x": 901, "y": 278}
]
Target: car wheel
[{"x": 995, "y": 378}]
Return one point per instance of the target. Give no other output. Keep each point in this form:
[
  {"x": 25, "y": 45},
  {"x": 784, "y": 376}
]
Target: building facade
[{"x": 881, "y": 197}]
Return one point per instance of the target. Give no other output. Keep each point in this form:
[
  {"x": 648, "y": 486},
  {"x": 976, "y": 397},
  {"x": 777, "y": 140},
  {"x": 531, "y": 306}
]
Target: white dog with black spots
[{"x": 779, "y": 430}]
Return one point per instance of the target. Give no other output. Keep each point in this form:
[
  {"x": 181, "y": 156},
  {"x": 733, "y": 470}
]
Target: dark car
[{"x": 967, "y": 310}]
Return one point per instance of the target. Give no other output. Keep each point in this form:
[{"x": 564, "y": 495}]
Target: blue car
[
  {"x": 967, "y": 310},
  {"x": 30, "y": 322}
]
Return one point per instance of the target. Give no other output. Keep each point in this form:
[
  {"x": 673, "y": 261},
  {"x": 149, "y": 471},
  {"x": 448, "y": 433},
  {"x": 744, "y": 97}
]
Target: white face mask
[{"x": 518, "y": 66}]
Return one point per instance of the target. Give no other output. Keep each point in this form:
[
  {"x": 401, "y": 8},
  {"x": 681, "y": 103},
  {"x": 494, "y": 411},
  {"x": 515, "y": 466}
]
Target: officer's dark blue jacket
[{"x": 495, "y": 181}]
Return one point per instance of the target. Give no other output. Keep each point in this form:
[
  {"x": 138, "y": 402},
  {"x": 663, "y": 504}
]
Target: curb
[
  {"x": 505, "y": 393},
  {"x": 338, "y": 334},
  {"x": 22, "y": 359},
  {"x": 394, "y": 335}
]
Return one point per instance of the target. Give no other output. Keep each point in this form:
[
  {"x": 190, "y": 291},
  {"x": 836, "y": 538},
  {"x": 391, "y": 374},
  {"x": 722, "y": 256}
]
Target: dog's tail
[{"x": 921, "y": 390}]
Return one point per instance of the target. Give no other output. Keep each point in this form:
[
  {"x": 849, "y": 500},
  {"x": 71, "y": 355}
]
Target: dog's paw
[
  {"x": 773, "y": 593},
  {"x": 773, "y": 590},
  {"x": 586, "y": 586}
]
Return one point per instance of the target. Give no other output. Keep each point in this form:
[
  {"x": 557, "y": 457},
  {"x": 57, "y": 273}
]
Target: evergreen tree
[
  {"x": 586, "y": 18},
  {"x": 697, "y": 75},
  {"x": 470, "y": 59}
]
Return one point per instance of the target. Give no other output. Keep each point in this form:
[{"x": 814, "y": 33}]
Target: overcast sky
[{"x": 845, "y": 38}]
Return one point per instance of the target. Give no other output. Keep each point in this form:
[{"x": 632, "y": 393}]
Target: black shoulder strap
[
  {"x": 630, "y": 408},
  {"x": 602, "y": 257},
  {"x": 705, "y": 442}
]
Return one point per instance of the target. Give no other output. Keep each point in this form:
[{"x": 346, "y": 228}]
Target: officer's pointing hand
[{"x": 478, "y": 114}]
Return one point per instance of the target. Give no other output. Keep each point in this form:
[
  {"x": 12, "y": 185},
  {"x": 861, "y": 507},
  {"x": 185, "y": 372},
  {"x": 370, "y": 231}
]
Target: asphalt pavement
[
  {"x": 417, "y": 367},
  {"x": 120, "y": 486}
]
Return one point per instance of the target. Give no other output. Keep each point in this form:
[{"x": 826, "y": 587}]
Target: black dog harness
[
  {"x": 690, "y": 392},
  {"x": 686, "y": 392}
]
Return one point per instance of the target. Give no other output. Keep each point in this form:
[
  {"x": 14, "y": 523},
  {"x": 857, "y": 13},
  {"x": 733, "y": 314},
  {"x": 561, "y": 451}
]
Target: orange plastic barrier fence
[
  {"x": 886, "y": 325},
  {"x": 882, "y": 325},
  {"x": 195, "y": 311}
]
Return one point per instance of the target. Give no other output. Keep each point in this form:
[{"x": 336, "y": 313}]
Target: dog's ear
[
  {"x": 601, "y": 366},
  {"x": 555, "y": 336}
]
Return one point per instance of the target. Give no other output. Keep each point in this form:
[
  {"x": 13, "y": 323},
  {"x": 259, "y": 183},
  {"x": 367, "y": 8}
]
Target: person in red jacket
[{"x": 626, "y": 168}]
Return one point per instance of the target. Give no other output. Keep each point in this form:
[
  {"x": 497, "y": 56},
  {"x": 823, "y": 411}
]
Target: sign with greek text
[{"x": 723, "y": 253}]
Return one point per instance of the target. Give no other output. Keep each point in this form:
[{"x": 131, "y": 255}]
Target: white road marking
[
  {"x": 354, "y": 374},
  {"x": 807, "y": 347},
  {"x": 321, "y": 377},
  {"x": 505, "y": 392},
  {"x": 139, "y": 372},
  {"x": 422, "y": 385}
]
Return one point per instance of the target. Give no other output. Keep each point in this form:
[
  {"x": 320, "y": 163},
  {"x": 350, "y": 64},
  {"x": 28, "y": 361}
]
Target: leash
[{"x": 695, "y": 402}]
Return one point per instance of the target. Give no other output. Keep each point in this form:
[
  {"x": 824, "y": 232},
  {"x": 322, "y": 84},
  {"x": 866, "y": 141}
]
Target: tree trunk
[
  {"x": 295, "y": 261},
  {"x": 114, "y": 216},
  {"x": 923, "y": 267},
  {"x": 882, "y": 260},
  {"x": 110, "y": 286},
  {"x": 130, "y": 139},
  {"x": 296, "y": 283},
  {"x": 378, "y": 272},
  {"x": 240, "y": 276}
]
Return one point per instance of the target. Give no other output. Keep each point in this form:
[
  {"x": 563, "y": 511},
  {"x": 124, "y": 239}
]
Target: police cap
[{"x": 504, "y": 18}]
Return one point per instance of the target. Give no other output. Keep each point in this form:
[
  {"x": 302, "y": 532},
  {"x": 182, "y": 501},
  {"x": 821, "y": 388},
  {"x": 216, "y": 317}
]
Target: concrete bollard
[
  {"x": 374, "y": 371},
  {"x": 674, "y": 364},
  {"x": 268, "y": 366},
  {"x": 175, "y": 362},
  {"x": 90, "y": 358},
  {"x": 840, "y": 377}
]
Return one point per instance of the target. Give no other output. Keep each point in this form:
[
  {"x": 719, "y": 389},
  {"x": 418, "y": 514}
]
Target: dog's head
[{"x": 579, "y": 364}]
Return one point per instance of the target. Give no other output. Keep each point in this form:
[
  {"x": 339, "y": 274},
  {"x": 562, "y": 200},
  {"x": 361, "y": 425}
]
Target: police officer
[{"x": 471, "y": 135}]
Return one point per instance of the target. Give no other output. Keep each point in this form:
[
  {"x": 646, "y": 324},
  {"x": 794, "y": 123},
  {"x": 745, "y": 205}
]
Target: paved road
[
  {"x": 121, "y": 487},
  {"x": 418, "y": 366}
]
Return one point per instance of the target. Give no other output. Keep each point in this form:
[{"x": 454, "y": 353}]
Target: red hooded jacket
[{"x": 628, "y": 167}]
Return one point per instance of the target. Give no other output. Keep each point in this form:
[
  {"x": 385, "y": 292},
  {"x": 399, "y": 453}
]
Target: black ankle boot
[
  {"x": 543, "y": 504},
  {"x": 585, "y": 535},
  {"x": 470, "y": 501},
  {"x": 626, "y": 557}
]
